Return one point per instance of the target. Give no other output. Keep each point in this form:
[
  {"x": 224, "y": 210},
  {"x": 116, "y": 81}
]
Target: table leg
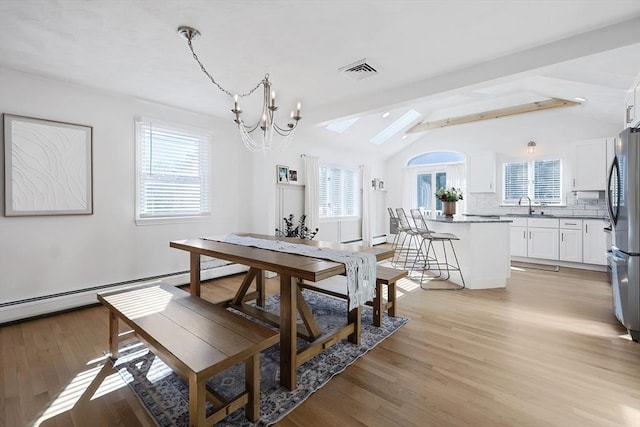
[
  {"x": 113, "y": 335},
  {"x": 288, "y": 332},
  {"x": 194, "y": 285},
  {"x": 260, "y": 284},
  {"x": 244, "y": 287}
]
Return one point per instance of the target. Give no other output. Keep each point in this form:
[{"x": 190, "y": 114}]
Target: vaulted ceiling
[{"x": 439, "y": 58}]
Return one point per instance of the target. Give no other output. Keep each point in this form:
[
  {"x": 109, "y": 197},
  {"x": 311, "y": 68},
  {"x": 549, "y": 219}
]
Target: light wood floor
[{"x": 545, "y": 351}]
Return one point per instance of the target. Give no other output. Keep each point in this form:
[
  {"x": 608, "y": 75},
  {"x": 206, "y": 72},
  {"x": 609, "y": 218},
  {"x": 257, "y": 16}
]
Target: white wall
[
  {"x": 554, "y": 131},
  {"x": 44, "y": 255}
]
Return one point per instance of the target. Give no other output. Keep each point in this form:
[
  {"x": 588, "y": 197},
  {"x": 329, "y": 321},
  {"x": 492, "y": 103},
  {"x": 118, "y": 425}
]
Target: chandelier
[{"x": 266, "y": 123}]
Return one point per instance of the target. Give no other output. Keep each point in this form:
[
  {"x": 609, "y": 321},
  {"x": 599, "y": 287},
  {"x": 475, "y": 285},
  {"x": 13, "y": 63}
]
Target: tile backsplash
[{"x": 489, "y": 204}]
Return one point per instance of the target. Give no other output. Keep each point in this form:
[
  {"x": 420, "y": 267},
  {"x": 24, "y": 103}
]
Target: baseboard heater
[{"x": 14, "y": 311}]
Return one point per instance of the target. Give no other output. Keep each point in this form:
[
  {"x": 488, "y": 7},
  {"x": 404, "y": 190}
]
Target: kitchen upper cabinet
[
  {"x": 571, "y": 240},
  {"x": 589, "y": 165},
  {"x": 594, "y": 242},
  {"x": 481, "y": 172},
  {"x": 631, "y": 115}
]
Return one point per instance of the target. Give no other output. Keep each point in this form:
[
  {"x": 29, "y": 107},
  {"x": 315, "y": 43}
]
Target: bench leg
[
  {"x": 391, "y": 298},
  {"x": 377, "y": 306},
  {"x": 113, "y": 335},
  {"x": 354, "y": 317},
  {"x": 252, "y": 385},
  {"x": 197, "y": 408}
]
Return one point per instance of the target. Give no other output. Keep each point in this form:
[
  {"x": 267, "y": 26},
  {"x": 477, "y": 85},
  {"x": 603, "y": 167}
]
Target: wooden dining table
[{"x": 291, "y": 268}]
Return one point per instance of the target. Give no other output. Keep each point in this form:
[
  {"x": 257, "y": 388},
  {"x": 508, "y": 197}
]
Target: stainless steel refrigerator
[{"x": 623, "y": 202}]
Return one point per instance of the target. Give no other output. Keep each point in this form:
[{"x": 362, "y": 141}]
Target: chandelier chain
[{"x": 214, "y": 80}]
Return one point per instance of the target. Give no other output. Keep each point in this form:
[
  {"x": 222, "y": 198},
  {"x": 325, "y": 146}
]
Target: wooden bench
[
  {"x": 197, "y": 339},
  {"x": 384, "y": 276}
]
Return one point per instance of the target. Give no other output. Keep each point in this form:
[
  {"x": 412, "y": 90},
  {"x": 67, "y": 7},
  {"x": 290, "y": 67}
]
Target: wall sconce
[{"x": 531, "y": 147}]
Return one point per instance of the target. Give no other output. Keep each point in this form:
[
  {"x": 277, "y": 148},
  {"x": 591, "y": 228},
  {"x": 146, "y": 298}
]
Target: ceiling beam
[
  {"x": 494, "y": 114},
  {"x": 521, "y": 63}
]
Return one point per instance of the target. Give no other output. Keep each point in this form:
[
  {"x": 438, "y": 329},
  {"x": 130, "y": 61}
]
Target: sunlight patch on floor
[
  {"x": 111, "y": 383},
  {"x": 405, "y": 286},
  {"x": 631, "y": 416},
  {"x": 70, "y": 395}
]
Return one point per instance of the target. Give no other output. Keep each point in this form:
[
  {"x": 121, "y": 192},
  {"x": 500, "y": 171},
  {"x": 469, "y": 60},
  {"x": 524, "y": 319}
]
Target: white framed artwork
[{"x": 47, "y": 167}]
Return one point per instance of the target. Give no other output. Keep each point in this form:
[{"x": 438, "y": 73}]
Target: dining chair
[{"x": 431, "y": 257}]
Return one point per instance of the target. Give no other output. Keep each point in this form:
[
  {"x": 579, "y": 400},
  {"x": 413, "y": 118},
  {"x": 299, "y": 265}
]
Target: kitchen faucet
[{"x": 531, "y": 211}]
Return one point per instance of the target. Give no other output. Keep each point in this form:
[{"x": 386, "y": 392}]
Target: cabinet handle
[
  {"x": 586, "y": 228},
  {"x": 524, "y": 235},
  {"x": 562, "y": 237},
  {"x": 574, "y": 183},
  {"x": 529, "y": 235},
  {"x": 629, "y": 118},
  {"x": 570, "y": 223}
]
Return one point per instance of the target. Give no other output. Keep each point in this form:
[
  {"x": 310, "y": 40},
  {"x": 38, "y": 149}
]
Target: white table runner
[{"x": 360, "y": 267}]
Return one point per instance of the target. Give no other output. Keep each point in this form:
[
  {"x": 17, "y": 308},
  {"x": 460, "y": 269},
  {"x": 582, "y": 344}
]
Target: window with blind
[
  {"x": 172, "y": 172},
  {"x": 541, "y": 180},
  {"x": 338, "y": 192}
]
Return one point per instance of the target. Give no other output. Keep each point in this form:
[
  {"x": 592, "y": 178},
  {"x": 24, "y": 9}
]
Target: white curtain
[
  {"x": 311, "y": 191},
  {"x": 456, "y": 178},
  {"x": 409, "y": 190},
  {"x": 365, "y": 173}
]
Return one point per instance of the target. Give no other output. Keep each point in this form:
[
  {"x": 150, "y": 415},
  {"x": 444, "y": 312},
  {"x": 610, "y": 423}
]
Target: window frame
[
  {"x": 531, "y": 166},
  {"x": 357, "y": 198},
  {"x": 204, "y": 137}
]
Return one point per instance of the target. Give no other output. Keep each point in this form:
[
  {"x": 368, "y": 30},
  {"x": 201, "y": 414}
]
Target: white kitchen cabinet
[
  {"x": 481, "y": 169},
  {"x": 570, "y": 240},
  {"x": 543, "y": 243},
  {"x": 534, "y": 237},
  {"x": 518, "y": 240},
  {"x": 589, "y": 165},
  {"x": 594, "y": 242},
  {"x": 631, "y": 115}
]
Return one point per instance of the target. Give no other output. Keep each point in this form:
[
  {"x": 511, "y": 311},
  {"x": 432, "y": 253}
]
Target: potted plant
[
  {"x": 449, "y": 197},
  {"x": 300, "y": 231}
]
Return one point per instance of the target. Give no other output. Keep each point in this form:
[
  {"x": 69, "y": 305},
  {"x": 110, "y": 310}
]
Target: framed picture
[
  {"x": 293, "y": 175},
  {"x": 283, "y": 174},
  {"x": 47, "y": 167}
]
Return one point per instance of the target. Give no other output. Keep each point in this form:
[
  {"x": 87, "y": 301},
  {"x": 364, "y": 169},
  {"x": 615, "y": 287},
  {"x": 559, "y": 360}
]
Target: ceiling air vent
[{"x": 359, "y": 70}]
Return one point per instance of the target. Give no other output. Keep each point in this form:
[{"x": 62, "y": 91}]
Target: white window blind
[
  {"x": 541, "y": 180},
  {"x": 173, "y": 172},
  {"x": 338, "y": 192}
]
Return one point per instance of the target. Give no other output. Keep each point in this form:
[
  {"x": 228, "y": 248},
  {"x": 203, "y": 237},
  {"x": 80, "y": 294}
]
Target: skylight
[
  {"x": 395, "y": 127},
  {"x": 342, "y": 125}
]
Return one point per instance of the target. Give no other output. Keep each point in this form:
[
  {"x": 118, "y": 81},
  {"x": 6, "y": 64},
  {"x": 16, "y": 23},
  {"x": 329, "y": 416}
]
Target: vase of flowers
[{"x": 449, "y": 197}]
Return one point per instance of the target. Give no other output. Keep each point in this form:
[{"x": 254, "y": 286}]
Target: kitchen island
[{"x": 483, "y": 249}]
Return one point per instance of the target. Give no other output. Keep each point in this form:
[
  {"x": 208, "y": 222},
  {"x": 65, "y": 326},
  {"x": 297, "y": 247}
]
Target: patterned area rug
[{"x": 165, "y": 395}]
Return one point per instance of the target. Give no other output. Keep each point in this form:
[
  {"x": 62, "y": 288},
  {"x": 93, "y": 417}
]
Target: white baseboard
[{"x": 54, "y": 304}]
